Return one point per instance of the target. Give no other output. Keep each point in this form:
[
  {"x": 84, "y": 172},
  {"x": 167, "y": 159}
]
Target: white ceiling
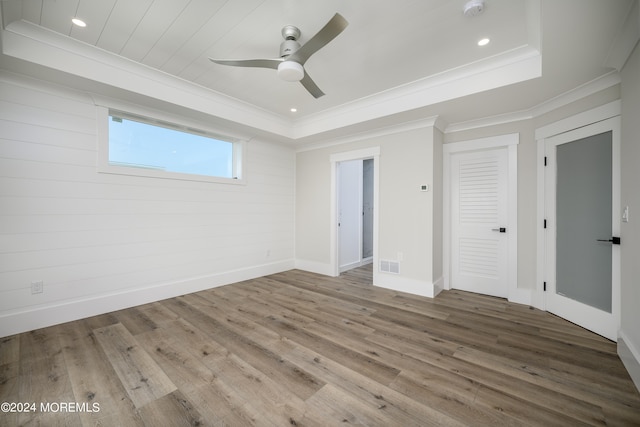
[{"x": 396, "y": 61}]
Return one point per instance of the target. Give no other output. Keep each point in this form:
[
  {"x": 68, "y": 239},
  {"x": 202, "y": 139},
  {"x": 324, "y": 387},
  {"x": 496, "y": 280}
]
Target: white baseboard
[
  {"x": 356, "y": 264},
  {"x": 521, "y": 296},
  {"x": 405, "y": 284},
  {"x": 438, "y": 286},
  {"x": 630, "y": 356},
  {"x": 314, "y": 267},
  {"x": 350, "y": 266},
  {"x": 47, "y": 315}
]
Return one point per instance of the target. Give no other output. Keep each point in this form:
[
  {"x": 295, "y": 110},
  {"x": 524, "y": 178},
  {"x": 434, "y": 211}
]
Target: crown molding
[
  {"x": 511, "y": 67},
  {"x": 626, "y": 39},
  {"x": 594, "y": 86},
  {"x": 35, "y": 44},
  {"x": 433, "y": 122},
  {"x": 32, "y": 43}
]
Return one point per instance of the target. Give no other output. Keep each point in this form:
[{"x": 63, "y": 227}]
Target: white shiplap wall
[{"x": 100, "y": 242}]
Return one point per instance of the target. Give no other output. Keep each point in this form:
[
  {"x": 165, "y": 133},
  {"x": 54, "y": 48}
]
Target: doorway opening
[
  {"x": 367, "y": 247},
  {"x": 355, "y": 213}
]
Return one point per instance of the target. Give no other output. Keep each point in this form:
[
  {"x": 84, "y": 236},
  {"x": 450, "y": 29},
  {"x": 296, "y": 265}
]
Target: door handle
[
  {"x": 501, "y": 229},
  {"x": 613, "y": 240}
]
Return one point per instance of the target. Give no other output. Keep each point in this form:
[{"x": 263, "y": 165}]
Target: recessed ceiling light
[
  {"x": 293, "y": 110},
  {"x": 79, "y": 22},
  {"x": 483, "y": 42}
]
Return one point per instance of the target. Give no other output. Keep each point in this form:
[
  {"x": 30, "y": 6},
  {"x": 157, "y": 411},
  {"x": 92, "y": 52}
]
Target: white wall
[
  {"x": 630, "y": 232},
  {"x": 100, "y": 242},
  {"x": 406, "y": 220}
]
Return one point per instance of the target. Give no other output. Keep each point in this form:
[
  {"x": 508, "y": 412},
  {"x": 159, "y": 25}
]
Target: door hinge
[{"x": 544, "y": 286}]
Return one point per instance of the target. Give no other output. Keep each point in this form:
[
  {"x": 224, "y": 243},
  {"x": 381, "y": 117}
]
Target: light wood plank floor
[{"x": 300, "y": 349}]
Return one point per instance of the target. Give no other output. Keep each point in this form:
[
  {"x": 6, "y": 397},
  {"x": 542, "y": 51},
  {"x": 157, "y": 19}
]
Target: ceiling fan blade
[
  {"x": 311, "y": 86},
  {"x": 258, "y": 63},
  {"x": 331, "y": 30}
]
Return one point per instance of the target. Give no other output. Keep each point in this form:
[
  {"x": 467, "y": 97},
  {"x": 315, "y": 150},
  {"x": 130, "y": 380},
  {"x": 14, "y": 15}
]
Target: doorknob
[
  {"x": 614, "y": 240},
  {"x": 501, "y": 229}
]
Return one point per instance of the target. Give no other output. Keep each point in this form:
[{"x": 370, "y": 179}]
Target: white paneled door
[{"x": 479, "y": 219}]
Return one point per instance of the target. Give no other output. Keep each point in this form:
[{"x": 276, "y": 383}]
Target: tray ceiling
[{"x": 390, "y": 50}]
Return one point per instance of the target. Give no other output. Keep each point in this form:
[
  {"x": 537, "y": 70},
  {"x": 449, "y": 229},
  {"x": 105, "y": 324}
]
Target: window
[{"x": 146, "y": 147}]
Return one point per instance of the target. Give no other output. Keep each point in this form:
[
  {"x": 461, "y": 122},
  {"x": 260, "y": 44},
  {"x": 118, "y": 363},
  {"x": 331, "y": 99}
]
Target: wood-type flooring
[{"x": 298, "y": 349}]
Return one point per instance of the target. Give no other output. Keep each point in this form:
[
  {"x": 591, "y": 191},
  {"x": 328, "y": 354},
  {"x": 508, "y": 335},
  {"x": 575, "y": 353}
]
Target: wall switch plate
[
  {"x": 625, "y": 214},
  {"x": 37, "y": 287}
]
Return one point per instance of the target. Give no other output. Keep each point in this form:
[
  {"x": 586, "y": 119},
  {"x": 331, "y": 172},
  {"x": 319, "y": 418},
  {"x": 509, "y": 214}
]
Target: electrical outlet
[{"x": 37, "y": 287}]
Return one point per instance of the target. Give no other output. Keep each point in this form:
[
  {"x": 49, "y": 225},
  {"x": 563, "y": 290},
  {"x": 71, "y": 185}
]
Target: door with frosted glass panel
[{"x": 581, "y": 206}]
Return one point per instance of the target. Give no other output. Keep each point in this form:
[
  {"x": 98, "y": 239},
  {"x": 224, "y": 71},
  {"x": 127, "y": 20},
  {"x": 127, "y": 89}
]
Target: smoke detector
[{"x": 473, "y": 8}]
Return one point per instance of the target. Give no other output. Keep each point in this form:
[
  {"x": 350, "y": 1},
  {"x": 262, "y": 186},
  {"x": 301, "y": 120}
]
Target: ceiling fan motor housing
[
  {"x": 290, "y": 34},
  {"x": 288, "y": 47}
]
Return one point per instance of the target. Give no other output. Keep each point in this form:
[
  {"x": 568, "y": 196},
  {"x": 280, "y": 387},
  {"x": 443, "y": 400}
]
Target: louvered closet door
[{"x": 479, "y": 257}]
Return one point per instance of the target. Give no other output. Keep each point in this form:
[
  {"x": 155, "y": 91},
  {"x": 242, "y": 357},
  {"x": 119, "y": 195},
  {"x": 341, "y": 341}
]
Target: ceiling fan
[{"x": 290, "y": 65}]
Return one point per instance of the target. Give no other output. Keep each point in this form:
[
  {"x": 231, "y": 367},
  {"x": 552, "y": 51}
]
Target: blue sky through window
[{"x": 143, "y": 145}]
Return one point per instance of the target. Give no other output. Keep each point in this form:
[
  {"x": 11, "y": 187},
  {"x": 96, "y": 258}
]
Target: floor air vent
[{"x": 390, "y": 266}]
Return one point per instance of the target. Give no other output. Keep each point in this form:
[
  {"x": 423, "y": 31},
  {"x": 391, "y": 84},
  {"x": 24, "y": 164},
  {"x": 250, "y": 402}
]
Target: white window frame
[{"x": 171, "y": 122}]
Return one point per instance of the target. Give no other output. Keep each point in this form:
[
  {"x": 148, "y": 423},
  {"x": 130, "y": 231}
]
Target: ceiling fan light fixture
[{"x": 290, "y": 71}]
